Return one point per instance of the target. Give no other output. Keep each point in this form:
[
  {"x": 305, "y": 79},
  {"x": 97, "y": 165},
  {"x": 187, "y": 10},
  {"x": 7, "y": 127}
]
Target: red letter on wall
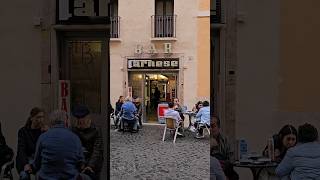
[{"x": 64, "y": 89}]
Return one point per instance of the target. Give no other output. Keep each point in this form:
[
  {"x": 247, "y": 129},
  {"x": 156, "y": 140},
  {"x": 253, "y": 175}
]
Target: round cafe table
[
  {"x": 255, "y": 168},
  {"x": 190, "y": 114}
]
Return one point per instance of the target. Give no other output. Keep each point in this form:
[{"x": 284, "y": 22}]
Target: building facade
[
  {"x": 266, "y": 73},
  {"x": 160, "y": 51},
  {"x": 55, "y": 54}
]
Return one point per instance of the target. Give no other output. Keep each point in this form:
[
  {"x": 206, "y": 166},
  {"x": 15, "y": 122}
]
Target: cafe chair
[
  {"x": 171, "y": 126},
  {"x": 204, "y": 125}
]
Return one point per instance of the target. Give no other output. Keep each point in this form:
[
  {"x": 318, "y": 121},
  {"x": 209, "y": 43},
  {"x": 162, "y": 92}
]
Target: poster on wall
[
  {"x": 64, "y": 96},
  {"x": 130, "y": 91}
]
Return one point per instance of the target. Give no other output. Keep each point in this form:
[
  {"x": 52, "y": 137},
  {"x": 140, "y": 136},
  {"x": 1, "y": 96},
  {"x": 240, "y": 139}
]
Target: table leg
[
  {"x": 190, "y": 120},
  {"x": 256, "y": 172}
]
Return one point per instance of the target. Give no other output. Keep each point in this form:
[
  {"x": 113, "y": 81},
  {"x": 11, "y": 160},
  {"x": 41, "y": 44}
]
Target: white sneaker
[
  {"x": 192, "y": 129},
  {"x": 179, "y": 134}
]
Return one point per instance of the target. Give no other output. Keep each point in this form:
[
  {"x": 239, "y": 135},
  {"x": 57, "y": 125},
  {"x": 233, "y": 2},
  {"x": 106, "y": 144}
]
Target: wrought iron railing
[
  {"x": 163, "y": 26},
  {"x": 114, "y": 27}
]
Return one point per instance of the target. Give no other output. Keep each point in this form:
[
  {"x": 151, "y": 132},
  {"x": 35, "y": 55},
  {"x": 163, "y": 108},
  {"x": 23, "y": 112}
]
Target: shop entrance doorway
[
  {"x": 153, "y": 88},
  {"x": 84, "y": 63}
]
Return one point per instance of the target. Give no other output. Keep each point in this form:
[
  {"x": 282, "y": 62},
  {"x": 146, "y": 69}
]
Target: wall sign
[
  {"x": 153, "y": 63},
  {"x": 82, "y": 11},
  {"x": 64, "y": 95}
]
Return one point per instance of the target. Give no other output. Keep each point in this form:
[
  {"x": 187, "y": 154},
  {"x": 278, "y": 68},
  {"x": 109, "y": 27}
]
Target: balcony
[
  {"x": 115, "y": 27},
  {"x": 216, "y": 12},
  {"x": 163, "y": 26}
]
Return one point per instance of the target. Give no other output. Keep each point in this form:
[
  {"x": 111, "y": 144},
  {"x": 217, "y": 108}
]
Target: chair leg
[
  {"x": 208, "y": 130},
  {"x": 175, "y": 136},
  {"x": 164, "y": 133}
]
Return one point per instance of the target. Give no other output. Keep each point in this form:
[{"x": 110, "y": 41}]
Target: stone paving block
[{"x": 143, "y": 156}]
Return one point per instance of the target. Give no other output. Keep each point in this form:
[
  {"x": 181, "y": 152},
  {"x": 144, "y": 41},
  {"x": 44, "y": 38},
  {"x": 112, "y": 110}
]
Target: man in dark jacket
[
  {"x": 59, "y": 153},
  {"x": 92, "y": 142}
]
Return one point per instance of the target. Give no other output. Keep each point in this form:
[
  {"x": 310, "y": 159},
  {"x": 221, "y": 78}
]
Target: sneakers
[
  {"x": 180, "y": 134},
  {"x": 192, "y": 129},
  {"x": 198, "y": 136}
]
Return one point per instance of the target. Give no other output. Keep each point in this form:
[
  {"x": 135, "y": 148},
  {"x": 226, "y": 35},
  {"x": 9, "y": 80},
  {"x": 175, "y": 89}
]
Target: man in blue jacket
[
  {"x": 128, "y": 114},
  {"x": 303, "y": 160},
  {"x": 59, "y": 153},
  {"x": 203, "y": 118}
]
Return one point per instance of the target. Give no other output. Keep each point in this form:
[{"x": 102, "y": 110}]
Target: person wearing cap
[{"x": 91, "y": 139}]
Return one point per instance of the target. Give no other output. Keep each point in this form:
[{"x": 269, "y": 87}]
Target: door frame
[{"x": 64, "y": 36}]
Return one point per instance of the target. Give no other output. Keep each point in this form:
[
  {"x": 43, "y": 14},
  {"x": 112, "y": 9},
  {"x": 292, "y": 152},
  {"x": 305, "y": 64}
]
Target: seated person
[
  {"x": 59, "y": 153},
  {"x": 197, "y": 107},
  {"x": 303, "y": 160},
  {"x": 216, "y": 172},
  {"x": 171, "y": 112},
  {"x": 203, "y": 117},
  {"x": 285, "y": 139},
  {"x": 91, "y": 140},
  {"x": 128, "y": 113},
  {"x": 137, "y": 103},
  {"x": 6, "y": 153},
  {"x": 178, "y": 107},
  {"x": 27, "y": 139},
  {"x": 220, "y": 149}
]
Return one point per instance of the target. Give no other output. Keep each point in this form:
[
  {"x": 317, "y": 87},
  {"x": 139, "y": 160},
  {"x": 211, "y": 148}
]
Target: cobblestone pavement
[{"x": 143, "y": 156}]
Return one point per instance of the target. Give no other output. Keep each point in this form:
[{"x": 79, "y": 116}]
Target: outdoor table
[
  {"x": 256, "y": 168},
  {"x": 190, "y": 114}
]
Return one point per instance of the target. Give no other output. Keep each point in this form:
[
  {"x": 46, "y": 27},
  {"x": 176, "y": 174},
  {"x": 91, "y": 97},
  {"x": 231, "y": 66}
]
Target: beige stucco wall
[
  {"x": 257, "y": 73},
  {"x": 300, "y": 27},
  {"x": 203, "y": 47},
  {"x": 19, "y": 65},
  {"x": 277, "y": 68},
  {"x": 135, "y": 29}
]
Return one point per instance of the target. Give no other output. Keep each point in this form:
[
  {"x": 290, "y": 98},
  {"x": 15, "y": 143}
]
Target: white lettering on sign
[
  {"x": 158, "y": 63},
  {"x": 166, "y": 63},
  {"x": 152, "y": 49},
  {"x": 174, "y": 63},
  {"x": 84, "y": 8},
  {"x": 151, "y": 64}
]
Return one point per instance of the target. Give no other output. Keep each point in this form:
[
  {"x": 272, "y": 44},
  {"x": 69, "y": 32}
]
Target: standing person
[
  {"x": 203, "y": 117},
  {"x": 157, "y": 96},
  {"x": 91, "y": 139},
  {"x": 220, "y": 149},
  {"x": 59, "y": 152},
  {"x": 28, "y": 137},
  {"x": 303, "y": 160},
  {"x": 138, "y": 105}
]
